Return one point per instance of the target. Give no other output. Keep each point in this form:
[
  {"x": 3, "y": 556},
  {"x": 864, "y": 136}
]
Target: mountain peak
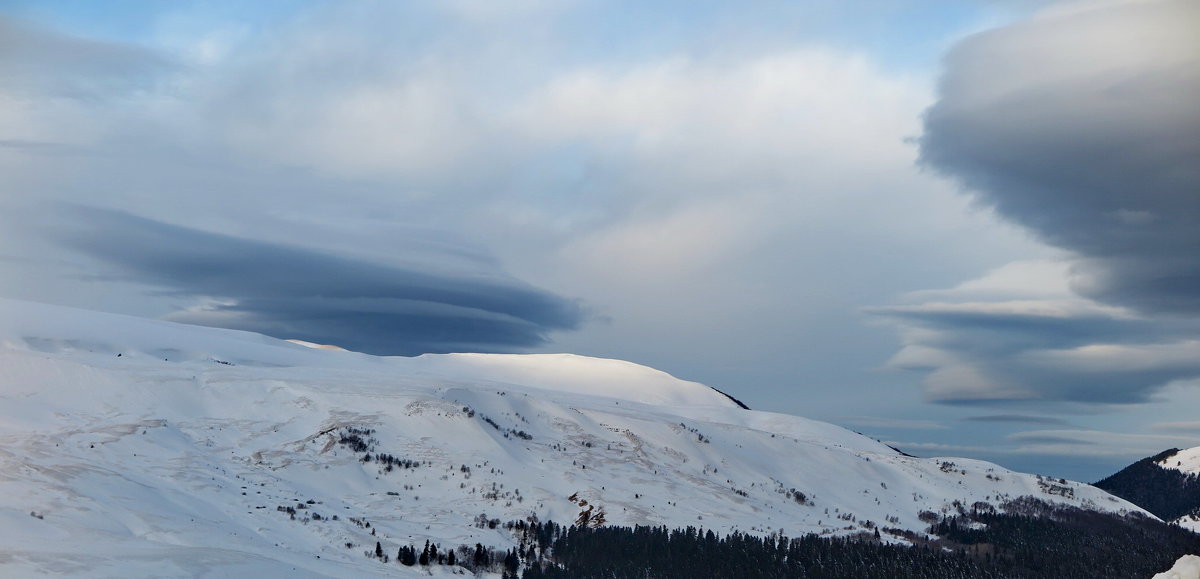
[{"x": 575, "y": 374}]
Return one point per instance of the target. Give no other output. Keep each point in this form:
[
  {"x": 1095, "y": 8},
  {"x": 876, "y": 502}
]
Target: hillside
[
  {"x": 135, "y": 447},
  {"x": 1166, "y": 484}
]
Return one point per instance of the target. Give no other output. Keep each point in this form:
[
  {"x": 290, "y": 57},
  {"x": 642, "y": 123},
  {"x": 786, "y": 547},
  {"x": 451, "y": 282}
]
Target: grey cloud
[
  {"x": 41, "y": 62},
  {"x": 986, "y": 353},
  {"x": 1017, "y": 419},
  {"x": 41, "y": 147},
  {"x": 892, "y": 423},
  {"x": 1183, "y": 427},
  {"x": 1079, "y": 125},
  {"x": 973, "y": 327},
  {"x": 294, "y": 292},
  {"x": 1035, "y": 438},
  {"x": 1082, "y": 127}
]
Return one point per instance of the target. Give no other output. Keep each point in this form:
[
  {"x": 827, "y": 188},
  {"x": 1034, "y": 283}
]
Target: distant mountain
[
  {"x": 138, "y": 448},
  {"x": 1166, "y": 484}
]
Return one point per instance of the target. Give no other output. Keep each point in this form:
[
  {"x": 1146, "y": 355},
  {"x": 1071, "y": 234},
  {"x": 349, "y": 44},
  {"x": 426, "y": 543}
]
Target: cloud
[
  {"x": 980, "y": 356},
  {"x": 892, "y": 423},
  {"x": 1182, "y": 427},
  {"x": 1054, "y": 347},
  {"x": 1071, "y": 124},
  {"x": 1097, "y": 442},
  {"x": 41, "y": 62},
  {"x": 1017, "y": 419},
  {"x": 1078, "y": 125},
  {"x": 294, "y": 292},
  {"x": 1020, "y": 280},
  {"x": 1034, "y": 438},
  {"x": 1016, "y": 325},
  {"x": 58, "y": 91},
  {"x": 1064, "y": 443}
]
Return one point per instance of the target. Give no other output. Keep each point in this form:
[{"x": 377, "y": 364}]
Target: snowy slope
[
  {"x": 133, "y": 447},
  {"x": 1186, "y": 461},
  {"x": 1190, "y": 522}
]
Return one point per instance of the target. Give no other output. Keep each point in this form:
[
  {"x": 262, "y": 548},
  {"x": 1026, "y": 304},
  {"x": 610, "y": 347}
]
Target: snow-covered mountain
[
  {"x": 134, "y": 447},
  {"x": 1166, "y": 484}
]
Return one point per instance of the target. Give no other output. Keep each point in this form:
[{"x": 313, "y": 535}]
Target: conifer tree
[
  {"x": 481, "y": 556},
  {"x": 407, "y": 556}
]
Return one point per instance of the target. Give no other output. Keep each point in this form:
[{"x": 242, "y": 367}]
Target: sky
[{"x": 962, "y": 228}]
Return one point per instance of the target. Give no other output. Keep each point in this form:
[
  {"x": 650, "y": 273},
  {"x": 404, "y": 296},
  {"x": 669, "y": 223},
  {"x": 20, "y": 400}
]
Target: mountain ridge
[{"x": 203, "y": 447}]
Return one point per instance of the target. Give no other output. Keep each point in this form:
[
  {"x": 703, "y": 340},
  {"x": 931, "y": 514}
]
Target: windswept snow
[{"x": 135, "y": 447}]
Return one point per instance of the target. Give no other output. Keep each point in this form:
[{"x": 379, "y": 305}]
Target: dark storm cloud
[
  {"x": 294, "y": 292},
  {"x": 1017, "y": 419},
  {"x": 1083, "y": 127},
  {"x": 45, "y": 63}
]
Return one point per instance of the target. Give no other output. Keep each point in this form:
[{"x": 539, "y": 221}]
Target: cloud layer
[
  {"x": 1055, "y": 347},
  {"x": 294, "y": 292}
]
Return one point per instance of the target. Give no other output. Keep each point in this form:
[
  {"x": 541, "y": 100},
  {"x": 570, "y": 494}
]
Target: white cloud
[
  {"x": 962, "y": 381},
  {"x": 1121, "y": 358},
  {"x": 1053, "y": 309},
  {"x": 746, "y": 122},
  {"x": 1030, "y": 279},
  {"x": 691, "y": 241}
]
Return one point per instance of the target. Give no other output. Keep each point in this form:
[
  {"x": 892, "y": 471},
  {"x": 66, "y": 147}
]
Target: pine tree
[
  {"x": 407, "y": 556},
  {"x": 512, "y": 562}
]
